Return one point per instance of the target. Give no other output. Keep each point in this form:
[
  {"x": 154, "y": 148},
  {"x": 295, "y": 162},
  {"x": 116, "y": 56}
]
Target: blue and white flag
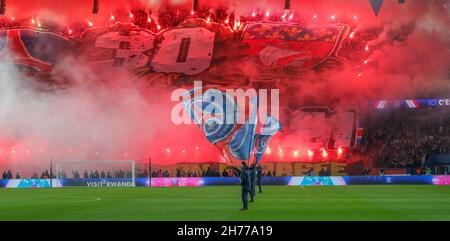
[
  {"x": 270, "y": 128},
  {"x": 241, "y": 144},
  {"x": 217, "y": 113}
]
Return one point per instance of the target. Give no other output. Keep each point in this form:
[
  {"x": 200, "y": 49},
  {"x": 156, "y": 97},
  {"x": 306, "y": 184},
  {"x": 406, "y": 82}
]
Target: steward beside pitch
[{"x": 245, "y": 184}]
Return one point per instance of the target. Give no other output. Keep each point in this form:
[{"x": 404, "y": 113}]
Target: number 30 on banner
[{"x": 122, "y": 51}]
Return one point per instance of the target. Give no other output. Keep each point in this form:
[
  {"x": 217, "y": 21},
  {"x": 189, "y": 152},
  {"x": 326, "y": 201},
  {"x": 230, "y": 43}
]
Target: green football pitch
[{"x": 401, "y": 202}]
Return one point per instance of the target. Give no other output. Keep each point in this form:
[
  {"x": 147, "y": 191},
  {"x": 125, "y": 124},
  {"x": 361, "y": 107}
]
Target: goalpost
[{"x": 96, "y": 172}]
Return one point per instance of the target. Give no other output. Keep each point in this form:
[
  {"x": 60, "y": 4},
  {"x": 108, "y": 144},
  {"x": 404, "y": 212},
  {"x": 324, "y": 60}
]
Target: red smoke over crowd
[{"x": 402, "y": 53}]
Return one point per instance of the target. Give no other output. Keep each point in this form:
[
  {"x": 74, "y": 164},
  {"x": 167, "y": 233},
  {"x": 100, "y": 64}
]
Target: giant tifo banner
[
  {"x": 289, "y": 47},
  {"x": 232, "y": 181},
  {"x": 195, "y": 48},
  {"x": 34, "y": 52}
]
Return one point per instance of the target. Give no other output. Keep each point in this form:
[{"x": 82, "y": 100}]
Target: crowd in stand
[
  {"x": 44, "y": 175},
  {"x": 205, "y": 173},
  {"x": 227, "y": 172},
  {"x": 160, "y": 173},
  {"x": 404, "y": 141},
  {"x": 75, "y": 174},
  {"x": 97, "y": 174},
  {"x": 9, "y": 175}
]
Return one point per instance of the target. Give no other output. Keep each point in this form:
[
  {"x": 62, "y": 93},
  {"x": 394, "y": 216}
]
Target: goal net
[{"x": 96, "y": 173}]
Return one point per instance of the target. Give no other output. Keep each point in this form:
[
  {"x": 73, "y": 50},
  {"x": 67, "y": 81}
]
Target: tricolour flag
[{"x": 413, "y": 104}]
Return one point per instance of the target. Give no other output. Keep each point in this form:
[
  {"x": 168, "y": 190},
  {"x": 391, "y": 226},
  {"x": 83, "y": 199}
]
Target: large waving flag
[
  {"x": 241, "y": 144},
  {"x": 217, "y": 114},
  {"x": 270, "y": 128}
]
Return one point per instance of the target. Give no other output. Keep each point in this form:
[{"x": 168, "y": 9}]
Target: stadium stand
[{"x": 407, "y": 139}]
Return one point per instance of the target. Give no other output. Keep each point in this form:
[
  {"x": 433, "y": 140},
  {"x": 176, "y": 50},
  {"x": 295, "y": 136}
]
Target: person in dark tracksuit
[
  {"x": 253, "y": 182},
  {"x": 259, "y": 177},
  {"x": 245, "y": 184}
]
